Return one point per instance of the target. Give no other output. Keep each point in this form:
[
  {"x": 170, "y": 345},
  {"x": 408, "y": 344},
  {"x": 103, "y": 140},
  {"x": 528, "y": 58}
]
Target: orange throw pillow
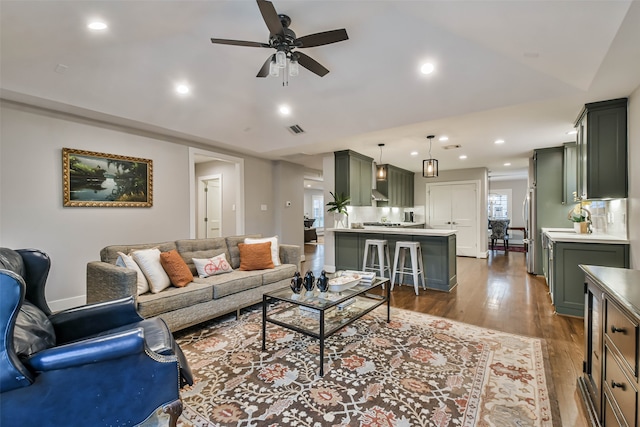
[
  {"x": 255, "y": 256},
  {"x": 177, "y": 270}
]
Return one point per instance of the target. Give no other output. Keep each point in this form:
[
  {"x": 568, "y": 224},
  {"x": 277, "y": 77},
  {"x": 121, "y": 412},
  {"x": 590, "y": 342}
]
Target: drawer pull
[
  {"x": 619, "y": 385},
  {"x": 614, "y": 329}
]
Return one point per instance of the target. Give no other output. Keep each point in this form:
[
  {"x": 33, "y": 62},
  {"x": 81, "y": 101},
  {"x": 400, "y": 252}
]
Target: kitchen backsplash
[
  {"x": 375, "y": 214},
  {"x": 608, "y": 216}
]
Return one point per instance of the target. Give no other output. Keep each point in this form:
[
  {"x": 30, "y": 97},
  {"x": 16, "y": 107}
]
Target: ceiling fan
[{"x": 284, "y": 40}]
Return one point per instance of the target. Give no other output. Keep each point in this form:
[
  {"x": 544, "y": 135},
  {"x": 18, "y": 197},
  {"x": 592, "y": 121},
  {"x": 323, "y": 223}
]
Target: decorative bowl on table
[{"x": 343, "y": 281}]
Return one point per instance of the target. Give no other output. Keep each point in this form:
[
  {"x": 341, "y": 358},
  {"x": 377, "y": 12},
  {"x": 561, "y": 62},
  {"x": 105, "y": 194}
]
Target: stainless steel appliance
[
  {"x": 408, "y": 217},
  {"x": 528, "y": 215}
]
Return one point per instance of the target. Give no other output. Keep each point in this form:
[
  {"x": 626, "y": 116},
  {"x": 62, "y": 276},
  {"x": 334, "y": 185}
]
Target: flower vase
[
  {"x": 341, "y": 220},
  {"x": 580, "y": 227}
]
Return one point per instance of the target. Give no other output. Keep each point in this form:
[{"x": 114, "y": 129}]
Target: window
[
  {"x": 317, "y": 204},
  {"x": 499, "y": 204}
]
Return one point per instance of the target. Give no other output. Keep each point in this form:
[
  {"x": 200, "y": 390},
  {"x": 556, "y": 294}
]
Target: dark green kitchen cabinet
[
  {"x": 353, "y": 176},
  {"x": 602, "y": 171},
  {"x": 566, "y": 277},
  {"x": 398, "y": 187}
]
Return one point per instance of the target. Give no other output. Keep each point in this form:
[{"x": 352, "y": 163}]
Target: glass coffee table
[{"x": 320, "y": 315}]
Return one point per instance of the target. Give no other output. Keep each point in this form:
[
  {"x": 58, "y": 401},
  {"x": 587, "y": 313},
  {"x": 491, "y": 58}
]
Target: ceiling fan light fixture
[
  {"x": 274, "y": 70},
  {"x": 294, "y": 68},
  {"x": 281, "y": 58}
]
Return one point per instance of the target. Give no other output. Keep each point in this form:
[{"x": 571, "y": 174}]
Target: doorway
[{"x": 210, "y": 207}]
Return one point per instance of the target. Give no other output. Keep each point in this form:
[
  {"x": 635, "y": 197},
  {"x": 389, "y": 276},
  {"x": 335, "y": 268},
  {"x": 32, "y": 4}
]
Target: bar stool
[
  {"x": 417, "y": 266},
  {"x": 382, "y": 250}
]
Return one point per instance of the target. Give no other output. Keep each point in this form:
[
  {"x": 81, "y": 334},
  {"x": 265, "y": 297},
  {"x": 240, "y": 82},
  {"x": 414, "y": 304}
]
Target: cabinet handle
[
  {"x": 619, "y": 385},
  {"x": 614, "y": 329}
]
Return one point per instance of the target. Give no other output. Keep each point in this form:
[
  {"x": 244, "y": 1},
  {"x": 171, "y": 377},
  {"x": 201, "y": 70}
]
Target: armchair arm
[
  {"x": 89, "y": 351},
  {"x": 37, "y": 265},
  {"x": 107, "y": 282},
  {"x": 290, "y": 254},
  {"x": 87, "y": 320}
]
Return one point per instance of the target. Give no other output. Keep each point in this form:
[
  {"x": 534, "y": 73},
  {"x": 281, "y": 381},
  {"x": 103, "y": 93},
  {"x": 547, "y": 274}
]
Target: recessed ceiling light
[
  {"x": 507, "y": 164},
  {"x": 97, "y": 25},
  {"x": 182, "y": 89},
  {"x": 462, "y": 157},
  {"x": 284, "y": 110},
  {"x": 427, "y": 68},
  {"x": 308, "y": 185},
  {"x": 414, "y": 153},
  {"x": 499, "y": 141},
  {"x": 572, "y": 132},
  {"x": 443, "y": 138}
]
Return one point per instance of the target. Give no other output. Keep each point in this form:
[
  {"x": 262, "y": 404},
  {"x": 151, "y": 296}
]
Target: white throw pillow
[
  {"x": 275, "y": 250},
  {"x": 211, "y": 266},
  {"x": 149, "y": 262},
  {"x": 127, "y": 261}
]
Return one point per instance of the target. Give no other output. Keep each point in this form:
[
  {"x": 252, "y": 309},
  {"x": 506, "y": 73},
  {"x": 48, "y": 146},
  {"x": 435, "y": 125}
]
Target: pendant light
[
  {"x": 381, "y": 170},
  {"x": 430, "y": 166}
]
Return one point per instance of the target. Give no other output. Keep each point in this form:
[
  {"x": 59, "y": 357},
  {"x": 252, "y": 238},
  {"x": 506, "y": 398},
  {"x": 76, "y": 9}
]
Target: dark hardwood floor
[{"x": 498, "y": 293}]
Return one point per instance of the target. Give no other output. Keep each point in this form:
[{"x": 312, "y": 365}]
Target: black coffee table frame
[{"x": 311, "y": 305}]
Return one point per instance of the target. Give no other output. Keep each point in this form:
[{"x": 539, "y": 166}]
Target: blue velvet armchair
[{"x": 95, "y": 365}]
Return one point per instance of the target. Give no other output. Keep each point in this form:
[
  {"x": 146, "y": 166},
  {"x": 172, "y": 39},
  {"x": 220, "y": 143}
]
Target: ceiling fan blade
[
  {"x": 311, "y": 64},
  {"x": 270, "y": 17},
  {"x": 320, "y": 39},
  {"x": 239, "y": 43},
  {"x": 264, "y": 71}
]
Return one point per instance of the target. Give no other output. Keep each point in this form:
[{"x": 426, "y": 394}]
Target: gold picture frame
[{"x": 92, "y": 179}]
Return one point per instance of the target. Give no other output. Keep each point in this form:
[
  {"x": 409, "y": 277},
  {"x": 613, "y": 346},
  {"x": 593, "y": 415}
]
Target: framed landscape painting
[{"x": 93, "y": 179}]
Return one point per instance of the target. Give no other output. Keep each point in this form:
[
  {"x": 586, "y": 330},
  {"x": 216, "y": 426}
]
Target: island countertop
[
  {"x": 395, "y": 230},
  {"x": 568, "y": 235}
]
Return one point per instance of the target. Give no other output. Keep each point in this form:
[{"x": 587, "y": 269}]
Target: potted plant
[
  {"x": 580, "y": 218},
  {"x": 339, "y": 208}
]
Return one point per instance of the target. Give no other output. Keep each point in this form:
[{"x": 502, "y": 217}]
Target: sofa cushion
[
  {"x": 175, "y": 267},
  {"x": 232, "y": 283},
  {"x": 212, "y": 266},
  {"x": 127, "y": 261},
  {"x": 275, "y": 250},
  {"x": 149, "y": 262},
  {"x": 201, "y": 248},
  {"x": 232, "y": 247},
  {"x": 110, "y": 253},
  {"x": 170, "y": 299},
  {"x": 281, "y": 272},
  {"x": 256, "y": 256}
]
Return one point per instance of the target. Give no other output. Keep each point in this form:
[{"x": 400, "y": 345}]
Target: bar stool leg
[
  {"x": 403, "y": 252},
  {"x": 381, "y": 260},
  {"x": 388, "y": 266},
  {"x": 414, "y": 265},
  {"x": 424, "y": 282},
  {"x": 364, "y": 258},
  {"x": 395, "y": 267}
]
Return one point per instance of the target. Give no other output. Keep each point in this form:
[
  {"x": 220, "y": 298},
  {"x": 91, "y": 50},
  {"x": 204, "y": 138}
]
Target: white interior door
[
  {"x": 210, "y": 207},
  {"x": 456, "y": 207}
]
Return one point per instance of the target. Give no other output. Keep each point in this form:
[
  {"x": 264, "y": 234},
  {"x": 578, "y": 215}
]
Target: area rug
[
  {"x": 417, "y": 370},
  {"x": 511, "y": 248}
]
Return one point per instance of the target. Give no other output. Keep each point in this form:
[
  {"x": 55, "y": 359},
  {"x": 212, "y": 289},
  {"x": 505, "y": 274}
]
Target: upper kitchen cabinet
[
  {"x": 354, "y": 176},
  {"x": 398, "y": 186},
  {"x": 602, "y": 150}
]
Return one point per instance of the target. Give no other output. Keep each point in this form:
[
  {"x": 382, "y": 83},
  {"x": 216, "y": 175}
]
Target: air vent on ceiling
[
  {"x": 451, "y": 147},
  {"x": 296, "y": 129}
]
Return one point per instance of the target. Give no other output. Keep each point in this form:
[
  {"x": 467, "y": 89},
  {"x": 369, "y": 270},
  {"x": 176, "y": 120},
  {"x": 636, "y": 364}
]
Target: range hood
[{"x": 375, "y": 194}]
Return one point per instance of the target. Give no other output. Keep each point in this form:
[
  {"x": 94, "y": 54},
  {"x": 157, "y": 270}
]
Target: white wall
[
  {"x": 32, "y": 215},
  {"x": 634, "y": 178},
  {"x": 289, "y": 202}
]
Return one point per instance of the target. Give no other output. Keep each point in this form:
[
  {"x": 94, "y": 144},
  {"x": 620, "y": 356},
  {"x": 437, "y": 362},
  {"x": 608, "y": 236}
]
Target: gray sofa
[{"x": 204, "y": 298}]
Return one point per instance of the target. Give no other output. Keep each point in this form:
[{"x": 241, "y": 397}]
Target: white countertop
[
  {"x": 396, "y": 230},
  {"x": 568, "y": 235}
]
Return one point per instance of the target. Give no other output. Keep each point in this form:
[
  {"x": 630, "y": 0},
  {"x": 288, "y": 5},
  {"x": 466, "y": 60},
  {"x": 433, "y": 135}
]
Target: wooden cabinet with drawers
[{"x": 610, "y": 381}]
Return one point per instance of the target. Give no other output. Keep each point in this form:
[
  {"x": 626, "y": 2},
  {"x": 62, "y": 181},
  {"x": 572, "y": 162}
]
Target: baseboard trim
[{"x": 63, "y": 304}]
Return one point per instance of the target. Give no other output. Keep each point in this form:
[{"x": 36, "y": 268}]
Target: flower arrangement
[{"x": 578, "y": 214}]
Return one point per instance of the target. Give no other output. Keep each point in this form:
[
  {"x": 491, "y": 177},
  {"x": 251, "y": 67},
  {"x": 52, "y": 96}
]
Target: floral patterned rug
[{"x": 417, "y": 370}]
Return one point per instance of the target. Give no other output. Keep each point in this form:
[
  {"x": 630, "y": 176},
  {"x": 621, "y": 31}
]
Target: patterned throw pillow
[
  {"x": 212, "y": 266},
  {"x": 177, "y": 270},
  {"x": 255, "y": 256}
]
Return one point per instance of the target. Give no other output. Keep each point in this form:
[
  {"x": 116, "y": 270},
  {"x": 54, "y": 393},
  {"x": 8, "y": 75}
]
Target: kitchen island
[{"x": 438, "y": 250}]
